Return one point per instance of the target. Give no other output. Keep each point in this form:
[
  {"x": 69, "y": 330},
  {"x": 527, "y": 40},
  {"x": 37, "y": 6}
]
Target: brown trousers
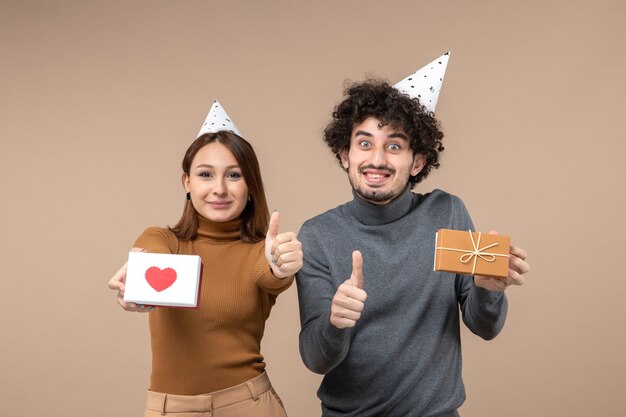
[{"x": 254, "y": 398}]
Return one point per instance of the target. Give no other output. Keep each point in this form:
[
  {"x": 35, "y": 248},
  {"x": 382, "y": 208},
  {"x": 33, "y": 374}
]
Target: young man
[{"x": 376, "y": 320}]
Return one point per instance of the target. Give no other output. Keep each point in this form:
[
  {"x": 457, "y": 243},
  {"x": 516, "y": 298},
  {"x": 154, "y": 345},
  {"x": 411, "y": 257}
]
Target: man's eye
[
  {"x": 394, "y": 147},
  {"x": 364, "y": 144}
]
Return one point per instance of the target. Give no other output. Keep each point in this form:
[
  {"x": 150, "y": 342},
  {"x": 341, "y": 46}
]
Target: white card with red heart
[{"x": 158, "y": 279}]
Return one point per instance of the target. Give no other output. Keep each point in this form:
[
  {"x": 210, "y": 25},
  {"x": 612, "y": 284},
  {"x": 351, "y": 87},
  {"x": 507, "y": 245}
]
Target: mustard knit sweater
[{"x": 196, "y": 351}]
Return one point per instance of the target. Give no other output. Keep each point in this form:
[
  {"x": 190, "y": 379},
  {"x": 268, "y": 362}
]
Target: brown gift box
[{"x": 472, "y": 253}]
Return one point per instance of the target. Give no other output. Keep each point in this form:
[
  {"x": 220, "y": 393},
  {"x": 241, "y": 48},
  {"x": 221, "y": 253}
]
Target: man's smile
[{"x": 376, "y": 177}]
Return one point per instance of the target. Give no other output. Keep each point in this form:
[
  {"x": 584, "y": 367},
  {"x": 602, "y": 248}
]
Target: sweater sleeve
[
  {"x": 264, "y": 277},
  {"x": 157, "y": 240},
  {"x": 483, "y": 311},
  {"x": 322, "y": 345}
]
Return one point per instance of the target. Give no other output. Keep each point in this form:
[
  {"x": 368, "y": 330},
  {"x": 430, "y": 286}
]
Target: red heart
[{"x": 160, "y": 279}]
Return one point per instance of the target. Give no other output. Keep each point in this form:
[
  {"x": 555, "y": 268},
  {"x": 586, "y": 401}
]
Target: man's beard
[{"x": 374, "y": 196}]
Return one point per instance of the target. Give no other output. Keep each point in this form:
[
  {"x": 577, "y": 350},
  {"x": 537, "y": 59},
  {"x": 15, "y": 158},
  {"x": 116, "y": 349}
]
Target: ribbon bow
[{"x": 477, "y": 252}]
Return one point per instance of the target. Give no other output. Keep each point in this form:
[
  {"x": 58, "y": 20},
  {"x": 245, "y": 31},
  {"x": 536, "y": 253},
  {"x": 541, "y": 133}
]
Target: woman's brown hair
[{"x": 255, "y": 216}]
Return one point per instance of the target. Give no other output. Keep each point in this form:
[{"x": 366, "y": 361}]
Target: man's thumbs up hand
[
  {"x": 357, "y": 269},
  {"x": 349, "y": 300}
]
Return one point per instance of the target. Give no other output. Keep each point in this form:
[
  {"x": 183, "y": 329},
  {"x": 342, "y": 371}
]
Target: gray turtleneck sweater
[{"x": 403, "y": 357}]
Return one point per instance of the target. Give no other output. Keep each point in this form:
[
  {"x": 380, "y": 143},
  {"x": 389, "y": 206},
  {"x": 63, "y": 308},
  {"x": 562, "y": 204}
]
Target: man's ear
[
  {"x": 418, "y": 164},
  {"x": 343, "y": 154}
]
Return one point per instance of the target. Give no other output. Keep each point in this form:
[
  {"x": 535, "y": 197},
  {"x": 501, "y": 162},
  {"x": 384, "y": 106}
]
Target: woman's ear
[{"x": 185, "y": 180}]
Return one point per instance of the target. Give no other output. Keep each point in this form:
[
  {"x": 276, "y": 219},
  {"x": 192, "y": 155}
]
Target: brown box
[{"x": 472, "y": 253}]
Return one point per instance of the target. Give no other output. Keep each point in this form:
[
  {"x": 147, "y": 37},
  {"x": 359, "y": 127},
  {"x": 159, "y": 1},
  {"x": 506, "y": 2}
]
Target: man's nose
[{"x": 379, "y": 158}]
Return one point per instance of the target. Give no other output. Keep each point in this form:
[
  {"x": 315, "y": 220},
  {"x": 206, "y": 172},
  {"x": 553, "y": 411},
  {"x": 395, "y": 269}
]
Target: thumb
[
  {"x": 511, "y": 247},
  {"x": 357, "y": 269},
  {"x": 272, "y": 230}
]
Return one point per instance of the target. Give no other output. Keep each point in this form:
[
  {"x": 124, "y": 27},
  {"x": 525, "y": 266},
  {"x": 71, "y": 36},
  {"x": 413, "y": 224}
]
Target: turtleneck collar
[
  {"x": 375, "y": 214},
  {"x": 216, "y": 231}
]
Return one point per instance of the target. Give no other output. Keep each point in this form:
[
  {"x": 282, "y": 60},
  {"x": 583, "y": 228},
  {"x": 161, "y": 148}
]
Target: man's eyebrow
[
  {"x": 390, "y": 136},
  {"x": 398, "y": 135}
]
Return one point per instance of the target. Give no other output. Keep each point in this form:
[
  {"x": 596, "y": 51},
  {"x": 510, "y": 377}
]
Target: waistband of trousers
[{"x": 170, "y": 403}]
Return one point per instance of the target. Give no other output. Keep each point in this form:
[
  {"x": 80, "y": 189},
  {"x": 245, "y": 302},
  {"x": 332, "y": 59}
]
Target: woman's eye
[
  {"x": 205, "y": 174},
  {"x": 234, "y": 175}
]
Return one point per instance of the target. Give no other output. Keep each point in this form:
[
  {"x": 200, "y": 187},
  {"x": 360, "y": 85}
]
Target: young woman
[{"x": 207, "y": 361}]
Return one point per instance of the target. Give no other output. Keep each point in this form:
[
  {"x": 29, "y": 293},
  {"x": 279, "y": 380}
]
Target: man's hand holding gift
[{"x": 517, "y": 267}]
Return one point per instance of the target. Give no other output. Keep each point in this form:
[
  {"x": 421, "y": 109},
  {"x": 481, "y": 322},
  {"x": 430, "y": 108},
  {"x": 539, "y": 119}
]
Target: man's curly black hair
[{"x": 376, "y": 98}]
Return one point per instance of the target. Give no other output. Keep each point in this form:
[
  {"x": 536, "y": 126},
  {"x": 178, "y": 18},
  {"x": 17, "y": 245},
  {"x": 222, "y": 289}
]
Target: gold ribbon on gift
[{"x": 478, "y": 252}]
